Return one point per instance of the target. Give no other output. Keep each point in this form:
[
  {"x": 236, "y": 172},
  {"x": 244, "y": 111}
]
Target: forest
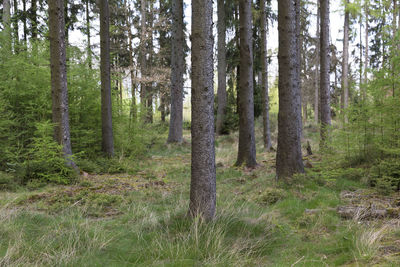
[{"x": 199, "y": 133}]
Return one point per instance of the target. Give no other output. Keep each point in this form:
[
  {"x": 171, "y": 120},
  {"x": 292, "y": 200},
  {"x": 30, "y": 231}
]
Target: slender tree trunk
[
  {"x": 289, "y": 157},
  {"x": 106, "y": 109},
  {"x": 7, "y": 23},
  {"x": 15, "y": 25},
  {"x": 316, "y": 89},
  {"x": 203, "y": 175},
  {"x": 59, "y": 79},
  {"x": 299, "y": 44},
  {"x": 345, "y": 60},
  {"x": 133, "y": 110},
  {"x": 264, "y": 77},
  {"x": 34, "y": 20},
  {"x": 89, "y": 49},
  {"x": 24, "y": 20},
  {"x": 177, "y": 70},
  {"x": 325, "y": 67},
  {"x": 143, "y": 60},
  {"x": 237, "y": 37},
  {"x": 366, "y": 56},
  {"x": 222, "y": 96},
  {"x": 149, "y": 85},
  {"x": 247, "y": 147}
]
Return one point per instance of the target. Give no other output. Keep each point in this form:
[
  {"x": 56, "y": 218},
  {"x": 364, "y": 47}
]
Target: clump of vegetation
[
  {"x": 386, "y": 175},
  {"x": 270, "y": 196}
]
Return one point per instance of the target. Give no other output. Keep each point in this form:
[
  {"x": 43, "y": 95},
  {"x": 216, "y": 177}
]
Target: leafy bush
[
  {"x": 386, "y": 175},
  {"x": 46, "y": 162}
]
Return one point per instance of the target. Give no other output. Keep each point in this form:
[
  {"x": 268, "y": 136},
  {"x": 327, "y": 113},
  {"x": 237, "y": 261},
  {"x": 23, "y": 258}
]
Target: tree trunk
[
  {"x": 143, "y": 60},
  {"x": 106, "y": 109},
  {"x": 34, "y": 20},
  {"x": 366, "y": 56},
  {"x": 325, "y": 67},
  {"x": 59, "y": 88},
  {"x": 133, "y": 110},
  {"x": 264, "y": 77},
  {"x": 317, "y": 63},
  {"x": 345, "y": 60},
  {"x": 247, "y": 147},
  {"x": 289, "y": 157},
  {"x": 177, "y": 69},
  {"x": 7, "y": 24},
  {"x": 149, "y": 85},
  {"x": 203, "y": 175},
  {"x": 222, "y": 97},
  {"x": 15, "y": 25},
  {"x": 24, "y": 20},
  {"x": 89, "y": 49}
]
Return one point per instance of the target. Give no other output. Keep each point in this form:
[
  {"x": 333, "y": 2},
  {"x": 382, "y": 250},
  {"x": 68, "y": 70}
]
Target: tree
[
  {"x": 106, "y": 109},
  {"x": 143, "y": 60},
  {"x": 177, "y": 70},
  {"x": 247, "y": 147},
  {"x": 7, "y": 22},
  {"x": 59, "y": 89},
  {"x": 345, "y": 60},
  {"x": 264, "y": 78},
  {"x": 325, "y": 68},
  {"x": 203, "y": 174},
  {"x": 221, "y": 93},
  {"x": 289, "y": 157},
  {"x": 317, "y": 66}
]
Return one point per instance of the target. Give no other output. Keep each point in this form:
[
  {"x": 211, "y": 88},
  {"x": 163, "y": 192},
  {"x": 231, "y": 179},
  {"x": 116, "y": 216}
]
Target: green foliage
[
  {"x": 46, "y": 162},
  {"x": 386, "y": 175}
]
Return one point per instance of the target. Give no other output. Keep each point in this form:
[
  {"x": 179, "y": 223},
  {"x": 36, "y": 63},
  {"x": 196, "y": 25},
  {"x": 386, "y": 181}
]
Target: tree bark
[
  {"x": 143, "y": 60},
  {"x": 264, "y": 77},
  {"x": 15, "y": 26},
  {"x": 317, "y": 66},
  {"x": 34, "y": 20},
  {"x": 325, "y": 67},
  {"x": 106, "y": 108},
  {"x": 247, "y": 145},
  {"x": 7, "y": 23},
  {"x": 149, "y": 84},
  {"x": 59, "y": 87},
  {"x": 345, "y": 60},
  {"x": 24, "y": 20},
  {"x": 289, "y": 156},
  {"x": 366, "y": 53},
  {"x": 177, "y": 70},
  {"x": 203, "y": 175},
  {"x": 222, "y": 96},
  {"x": 89, "y": 49}
]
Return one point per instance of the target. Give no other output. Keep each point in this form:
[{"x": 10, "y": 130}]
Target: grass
[{"x": 139, "y": 218}]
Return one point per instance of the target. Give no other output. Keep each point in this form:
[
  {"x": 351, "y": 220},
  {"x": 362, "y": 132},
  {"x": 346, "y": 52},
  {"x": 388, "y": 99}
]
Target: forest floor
[{"x": 139, "y": 218}]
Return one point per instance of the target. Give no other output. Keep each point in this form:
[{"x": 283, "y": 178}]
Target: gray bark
[
  {"x": 59, "y": 89},
  {"x": 15, "y": 25},
  {"x": 34, "y": 21},
  {"x": 317, "y": 65},
  {"x": 143, "y": 60},
  {"x": 89, "y": 49},
  {"x": 247, "y": 145},
  {"x": 325, "y": 67},
  {"x": 366, "y": 59},
  {"x": 24, "y": 20},
  {"x": 106, "y": 109},
  {"x": 7, "y": 23},
  {"x": 149, "y": 84},
  {"x": 345, "y": 61},
  {"x": 264, "y": 78},
  {"x": 289, "y": 157},
  {"x": 222, "y": 96},
  {"x": 203, "y": 175},
  {"x": 177, "y": 70}
]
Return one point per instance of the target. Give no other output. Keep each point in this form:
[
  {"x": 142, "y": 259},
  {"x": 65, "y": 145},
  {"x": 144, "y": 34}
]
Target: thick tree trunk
[
  {"x": 203, "y": 179},
  {"x": 59, "y": 88},
  {"x": 345, "y": 60},
  {"x": 325, "y": 67},
  {"x": 289, "y": 156},
  {"x": 222, "y": 96},
  {"x": 177, "y": 70},
  {"x": 247, "y": 147},
  {"x": 7, "y": 23},
  {"x": 106, "y": 109},
  {"x": 264, "y": 77}
]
